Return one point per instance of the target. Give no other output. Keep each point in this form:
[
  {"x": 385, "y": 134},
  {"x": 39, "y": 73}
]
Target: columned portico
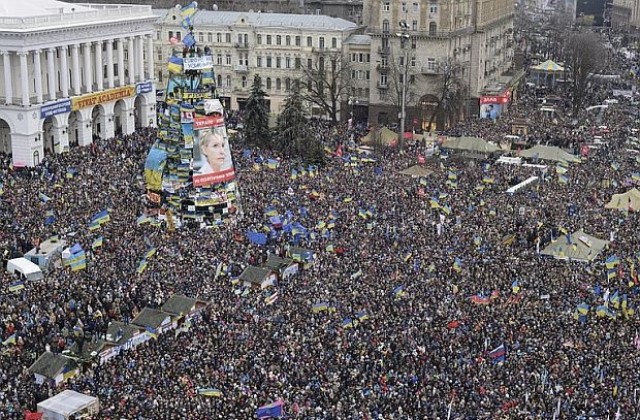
[
  {"x": 150, "y": 74},
  {"x": 110, "y": 81},
  {"x": 37, "y": 72},
  {"x": 131, "y": 61},
  {"x": 88, "y": 68},
  {"x": 75, "y": 69},
  {"x": 99, "y": 71},
  {"x": 140, "y": 59},
  {"x": 64, "y": 72},
  {"x": 121, "y": 79},
  {"x": 24, "y": 70}
]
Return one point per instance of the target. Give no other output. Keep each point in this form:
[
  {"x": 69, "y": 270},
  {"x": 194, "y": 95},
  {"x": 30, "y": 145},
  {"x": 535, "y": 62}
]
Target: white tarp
[{"x": 67, "y": 403}]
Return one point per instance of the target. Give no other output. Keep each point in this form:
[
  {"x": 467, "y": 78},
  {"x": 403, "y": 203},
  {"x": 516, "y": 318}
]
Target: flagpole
[{"x": 450, "y": 407}]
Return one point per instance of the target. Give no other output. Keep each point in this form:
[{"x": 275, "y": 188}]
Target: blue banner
[
  {"x": 144, "y": 87},
  {"x": 55, "y": 108}
]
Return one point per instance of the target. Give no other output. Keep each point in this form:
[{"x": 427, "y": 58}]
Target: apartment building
[
  {"x": 469, "y": 39},
  {"x": 275, "y": 46}
]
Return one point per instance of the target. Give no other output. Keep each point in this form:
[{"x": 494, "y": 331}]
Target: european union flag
[{"x": 257, "y": 238}]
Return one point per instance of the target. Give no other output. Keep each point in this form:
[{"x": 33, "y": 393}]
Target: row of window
[
  {"x": 243, "y": 39},
  {"x": 386, "y": 7}
]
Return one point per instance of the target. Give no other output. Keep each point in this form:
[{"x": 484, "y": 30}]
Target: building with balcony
[
  {"x": 71, "y": 72},
  {"x": 275, "y": 46},
  {"x": 469, "y": 39},
  {"x": 625, "y": 13}
]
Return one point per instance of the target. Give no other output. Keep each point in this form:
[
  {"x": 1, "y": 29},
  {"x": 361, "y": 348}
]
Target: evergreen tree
[
  {"x": 256, "y": 127},
  {"x": 294, "y": 138}
]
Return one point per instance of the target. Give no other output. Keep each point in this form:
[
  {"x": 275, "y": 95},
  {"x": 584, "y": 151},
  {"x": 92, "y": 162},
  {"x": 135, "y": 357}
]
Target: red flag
[
  {"x": 339, "y": 151},
  {"x": 28, "y": 415},
  {"x": 453, "y": 324}
]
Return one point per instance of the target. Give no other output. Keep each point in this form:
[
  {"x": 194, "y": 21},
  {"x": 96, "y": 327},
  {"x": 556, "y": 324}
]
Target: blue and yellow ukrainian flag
[
  {"x": 362, "y": 316},
  {"x": 457, "y": 265},
  {"x": 319, "y": 307},
  {"x": 189, "y": 10},
  {"x": 16, "y": 286},
  {"x": 209, "y": 392},
  {"x": 150, "y": 253},
  {"x": 97, "y": 243},
  {"x": 174, "y": 65},
  {"x": 153, "y": 333},
  {"x": 10, "y": 340},
  {"x": 142, "y": 266}
]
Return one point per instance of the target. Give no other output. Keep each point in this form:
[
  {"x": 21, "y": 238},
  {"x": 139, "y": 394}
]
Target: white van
[{"x": 24, "y": 269}]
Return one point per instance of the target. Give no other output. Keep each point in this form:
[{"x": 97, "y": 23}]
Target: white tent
[
  {"x": 625, "y": 201},
  {"x": 471, "y": 144},
  {"x": 549, "y": 153},
  {"x": 68, "y": 403},
  {"x": 582, "y": 247},
  {"x": 23, "y": 267}
]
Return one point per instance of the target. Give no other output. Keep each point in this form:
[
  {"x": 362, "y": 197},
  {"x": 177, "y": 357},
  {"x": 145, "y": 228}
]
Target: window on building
[
  {"x": 219, "y": 59},
  {"x": 259, "y": 39},
  {"x": 158, "y": 35},
  {"x": 413, "y": 61},
  {"x": 244, "y": 81},
  {"x": 383, "y": 80},
  {"x": 268, "y": 61},
  {"x": 368, "y": 75},
  {"x": 219, "y": 80},
  {"x": 368, "y": 58},
  {"x": 401, "y": 61},
  {"x": 287, "y": 84},
  {"x": 200, "y": 36},
  {"x": 228, "y": 60},
  {"x": 160, "y": 75},
  {"x": 278, "y": 62},
  {"x": 385, "y": 43},
  {"x": 287, "y": 40},
  {"x": 298, "y": 63},
  {"x": 433, "y": 9},
  {"x": 298, "y": 40},
  {"x": 209, "y": 37},
  {"x": 278, "y": 39},
  {"x": 309, "y": 41},
  {"x": 258, "y": 61},
  {"x": 321, "y": 42},
  {"x": 431, "y": 63},
  {"x": 287, "y": 62},
  {"x": 433, "y": 28},
  {"x": 268, "y": 83},
  {"x": 228, "y": 81},
  {"x": 240, "y": 39},
  {"x": 268, "y": 39},
  {"x": 160, "y": 55},
  {"x": 385, "y": 26},
  {"x": 414, "y": 43},
  {"x": 412, "y": 78},
  {"x": 334, "y": 42},
  {"x": 414, "y": 25},
  {"x": 278, "y": 84},
  {"x": 386, "y": 6},
  {"x": 353, "y": 74},
  {"x": 219, "y": 37},
  {"x": 227, "y": 38},
  {"x": 416, "y": 7},
  {"x": 170, "y": 35},
  {"x": 360, "y": 58},
  {"x": 309, "y": 63},
  {"x": 179, "y": 36}
]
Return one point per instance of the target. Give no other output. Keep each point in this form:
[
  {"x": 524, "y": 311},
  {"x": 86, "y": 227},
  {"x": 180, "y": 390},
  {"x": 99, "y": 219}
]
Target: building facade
[
  {"x": 275, "y": 46},
  {"x": 461, "y": 47},
  {"x": 72, "y": 72},
  {"x": 625, "y": 13}
]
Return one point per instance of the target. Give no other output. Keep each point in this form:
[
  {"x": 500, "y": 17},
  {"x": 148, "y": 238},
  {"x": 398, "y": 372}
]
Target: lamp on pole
[
  {"x": 352, "y": 101},
  {"x": 404, "y": 36}
]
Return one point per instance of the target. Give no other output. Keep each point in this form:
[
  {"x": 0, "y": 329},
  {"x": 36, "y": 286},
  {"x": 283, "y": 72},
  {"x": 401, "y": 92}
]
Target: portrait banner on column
[{"x": 212, "y": 162}]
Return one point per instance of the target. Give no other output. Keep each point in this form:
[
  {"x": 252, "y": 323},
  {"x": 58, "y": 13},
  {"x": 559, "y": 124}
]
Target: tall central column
[
  {"x": 88, "y": 68},
  {"x": 150, "y": 57},
  {"x": 131, "y": 62},
  {"x": 121, "y": 81},
  {"x": 110, "y": 63},
  {"x": 37, "y": 71},
  {"x": 99, "y": 69},
  {"x": 24, "y": 71},
  {"x": 64, "y": 72},
  {"x": 75, "y": 71},
  {"x": 140, "y": 58},
  {"x": 8, "y": 84},
  {"x": 51, "y": 73}
]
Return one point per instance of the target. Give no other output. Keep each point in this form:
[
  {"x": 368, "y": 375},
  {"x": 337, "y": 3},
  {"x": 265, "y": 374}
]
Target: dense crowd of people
[{"x": 445, "y": 268}]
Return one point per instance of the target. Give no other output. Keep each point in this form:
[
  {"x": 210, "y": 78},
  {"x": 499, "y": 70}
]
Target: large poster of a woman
[{"x": 212, "y": 162}]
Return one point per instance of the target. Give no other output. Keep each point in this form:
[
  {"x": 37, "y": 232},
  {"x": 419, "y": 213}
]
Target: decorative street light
[{"x": 404, "y": 37}]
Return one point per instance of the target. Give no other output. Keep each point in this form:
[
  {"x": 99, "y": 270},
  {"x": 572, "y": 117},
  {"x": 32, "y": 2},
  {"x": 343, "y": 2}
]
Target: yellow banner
[{"x": 102, "y": 97}]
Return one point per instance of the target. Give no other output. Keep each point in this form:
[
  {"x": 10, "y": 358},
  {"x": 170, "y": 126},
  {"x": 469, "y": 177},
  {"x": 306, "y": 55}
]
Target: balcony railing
[
  {"x": 241, "y": 45},
  {"x": 383, "y": 85},
  {"x": 241, "y": 68},
  {"x": 429, "y": 70}
]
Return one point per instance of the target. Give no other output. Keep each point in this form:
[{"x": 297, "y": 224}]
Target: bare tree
[
  {"x": 584, "y": 58},
  {"x": 328, "y": 82},
  {"x": 395, "y": 78},
  {"x": 451, "y": 93}
]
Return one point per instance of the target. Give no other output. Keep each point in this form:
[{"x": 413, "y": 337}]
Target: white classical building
[{"x": 71, "y": 72}]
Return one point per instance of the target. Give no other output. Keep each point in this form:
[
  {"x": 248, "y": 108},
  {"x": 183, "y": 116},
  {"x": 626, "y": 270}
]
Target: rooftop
[
  {"x": 268, "y": 20},
  {"x": 359, "y": 40},
  {"x": 46, "y": 14}
]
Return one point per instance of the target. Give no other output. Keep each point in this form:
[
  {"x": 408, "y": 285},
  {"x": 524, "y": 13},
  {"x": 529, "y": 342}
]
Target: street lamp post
[
  {"x": 404, "y": 36},
  {"x": 352, "y": 101}
]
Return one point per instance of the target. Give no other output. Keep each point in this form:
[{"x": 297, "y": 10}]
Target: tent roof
[
  {"x": 255, "y": 275},
  {"x": 470, "y": 144},
  {"x": 416, "y": 170},
  {"x": 179, "y": 304},
  {"x": 625, "y": 201},
  {"x": 549, "y": 153},
  {"x": 67, "y": 403},
  {"x": 386, "y": 136},
  {"x": 548, "y": 66},
  {"x": 50, "y": 364},
  {"x": 583, "y": 247},
  {"x": 149, "y": 317}
]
